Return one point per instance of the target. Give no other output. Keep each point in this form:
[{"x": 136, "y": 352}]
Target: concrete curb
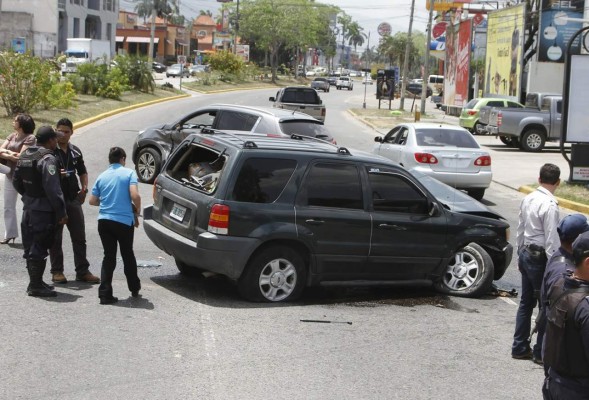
[
  {"x": 570, "y": 205},
  {"x": 98, "y": 117}
]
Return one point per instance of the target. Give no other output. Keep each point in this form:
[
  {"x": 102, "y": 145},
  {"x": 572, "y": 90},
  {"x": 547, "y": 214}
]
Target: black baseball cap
[
  {"x": 572, "y": 226},
  {"x": 581, "y": 248},
  {"x": 45, "y": 133}
]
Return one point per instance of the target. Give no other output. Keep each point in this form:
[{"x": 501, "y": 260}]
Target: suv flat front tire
[
  {"x": 275, "y": 274},
  {"x": 148, "y": 165}
]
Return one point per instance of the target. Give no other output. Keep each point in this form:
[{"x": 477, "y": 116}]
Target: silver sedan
[{"x": 447, "y": 153}]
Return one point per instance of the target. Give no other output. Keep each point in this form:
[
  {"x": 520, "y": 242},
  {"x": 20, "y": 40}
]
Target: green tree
[{"x": 355, "y": 35}]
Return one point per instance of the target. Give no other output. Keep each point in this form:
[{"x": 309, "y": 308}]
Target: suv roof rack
[{"x": 340, "y": 150}]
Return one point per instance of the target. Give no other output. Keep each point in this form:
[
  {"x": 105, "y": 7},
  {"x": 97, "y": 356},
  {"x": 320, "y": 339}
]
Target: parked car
[
  {"x": 310, "y": 73},
  {"x": 445, "y": 152},
  {"x": 153, "y": 145},
  {"x": 531, "y": 127},
  {"x": 470, "y": 115},
  {"x": 176, "y": 70},
  {"x": 198, "y": 68},
  {"x": 158, "y": 67},
  {"x": 279, "y": 214},
  {"x": 300, "y": 98},
  {"x": 416, "y": 89},
  {"x": 344, "y": 82},
  {"x": 320, "y": 84}
]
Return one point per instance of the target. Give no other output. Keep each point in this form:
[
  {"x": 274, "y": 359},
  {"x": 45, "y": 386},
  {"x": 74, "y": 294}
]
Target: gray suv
[
  {"x": 153, "y": 145},
  {"x": 279, "y": 214}
]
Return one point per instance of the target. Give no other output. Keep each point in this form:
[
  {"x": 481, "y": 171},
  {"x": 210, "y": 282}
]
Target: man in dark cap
[
  {"x": 37, "y": 179},
  {"x": 566, "y": 343},
  {"x": 561, "y": 262}
]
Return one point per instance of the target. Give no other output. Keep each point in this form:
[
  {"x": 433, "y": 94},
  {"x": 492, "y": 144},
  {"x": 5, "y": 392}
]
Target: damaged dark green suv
[{"x": 280, "y": 214}]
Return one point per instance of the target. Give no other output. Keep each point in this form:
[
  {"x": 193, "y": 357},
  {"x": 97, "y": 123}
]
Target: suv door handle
[
  {"x": 393, "y": 227},
  {"x": 314, "y": 221}
]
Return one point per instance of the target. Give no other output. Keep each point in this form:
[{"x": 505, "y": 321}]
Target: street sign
[
  {"x": 478, "y": 18},
  {"x": 439, "y": 29},
  {"x": 384, "y": 29}
]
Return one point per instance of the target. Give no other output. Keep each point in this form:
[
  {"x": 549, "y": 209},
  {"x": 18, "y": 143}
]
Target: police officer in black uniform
[
  {"x": 566, "y": 344},
  {"x": 37, "y": 179}
]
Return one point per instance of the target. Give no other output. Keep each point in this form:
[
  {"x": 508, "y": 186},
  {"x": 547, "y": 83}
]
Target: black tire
[
  {"x": 506, "y": 140},
  {"x": 533, "y": 140},
  {"x": 265, "y": 280},
  {"x": 148, "y": 164},
  {"x": 469, "y": 273},
  {"x": 479, "y": 129},
  {"x": 186, "y": 269},
  {"x": 476, "y": 194},
  {"x": 337, "y": 87}
]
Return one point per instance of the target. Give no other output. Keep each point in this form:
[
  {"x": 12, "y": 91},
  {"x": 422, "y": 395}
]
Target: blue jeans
[{"x": 532, "y": 270}]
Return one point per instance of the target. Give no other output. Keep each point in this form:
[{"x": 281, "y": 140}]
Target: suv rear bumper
[{"x": 225, "y": 255}]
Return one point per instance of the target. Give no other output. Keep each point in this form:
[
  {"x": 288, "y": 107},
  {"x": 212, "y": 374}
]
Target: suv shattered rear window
[
  {"x": 197, "y": 167},
  {"x": 261, "y": 180}
]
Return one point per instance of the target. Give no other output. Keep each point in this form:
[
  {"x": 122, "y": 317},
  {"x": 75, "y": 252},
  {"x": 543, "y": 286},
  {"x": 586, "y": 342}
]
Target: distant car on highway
[
  {"x": 416, "y": 89},
  {"x": 320, "y": 84},
  {"x": 344, "y": 82},
  {"x": 445, "y": 152},
  {"x": 332, "y": 79},
  {"x": 367, "y": 80}
]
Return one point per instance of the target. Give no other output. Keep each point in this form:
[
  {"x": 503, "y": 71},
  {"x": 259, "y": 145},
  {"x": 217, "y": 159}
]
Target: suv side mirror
[
  {"x": 272, "y": 99},
  {"x": 378, "y": 139},
  {"x": 434, "y": 209}
]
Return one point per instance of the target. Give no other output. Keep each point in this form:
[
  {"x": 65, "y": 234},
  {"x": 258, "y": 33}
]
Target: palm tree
[
  {"x": 160, "y": 8},
  {"x": 355, "y": 35}
]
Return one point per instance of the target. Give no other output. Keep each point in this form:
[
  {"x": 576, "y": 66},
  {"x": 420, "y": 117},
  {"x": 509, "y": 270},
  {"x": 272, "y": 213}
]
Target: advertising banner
[
  {"x": 578, "y": 104},
  {"x": 243, "y": 51},
  {"x": 458, "y": 45},
  {"x": 556, "y": 31},
  {"x": 504, "y": 52}
]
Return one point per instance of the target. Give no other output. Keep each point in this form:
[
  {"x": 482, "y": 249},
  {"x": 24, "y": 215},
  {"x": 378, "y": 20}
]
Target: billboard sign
[
  {"x": 578, "y": 104},
  {"x": 556, "y": 31},
  {"x": 243, "y": 51},
  {"x": 457, "y": 74},
  {"x": 503, "y": 60},
  {"x": 19, "y": 45},
  {"x": 445, "y": 5}
]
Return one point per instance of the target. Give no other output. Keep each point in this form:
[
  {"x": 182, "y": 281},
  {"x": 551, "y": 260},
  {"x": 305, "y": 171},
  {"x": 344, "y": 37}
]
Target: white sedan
[{"x": 445, "y": 152}]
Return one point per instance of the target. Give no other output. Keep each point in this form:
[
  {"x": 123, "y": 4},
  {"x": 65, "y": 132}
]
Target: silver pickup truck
[
  {"x": 531, "y": 127},
  {"x": 303, "y": 99}
]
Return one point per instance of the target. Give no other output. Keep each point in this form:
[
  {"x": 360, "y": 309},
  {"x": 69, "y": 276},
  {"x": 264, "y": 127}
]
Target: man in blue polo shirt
[{"x": 117, "y": 194}]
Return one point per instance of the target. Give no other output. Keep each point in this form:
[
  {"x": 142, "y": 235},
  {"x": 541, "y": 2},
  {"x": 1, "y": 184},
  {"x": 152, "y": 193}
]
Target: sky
[{"x": 367, "y": 13}]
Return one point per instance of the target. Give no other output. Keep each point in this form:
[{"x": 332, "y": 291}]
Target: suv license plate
[{"x": 178, "y": 212}]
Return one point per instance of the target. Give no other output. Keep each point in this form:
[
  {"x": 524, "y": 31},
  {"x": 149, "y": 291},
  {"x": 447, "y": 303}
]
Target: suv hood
[{"x": 454, "y": 199}]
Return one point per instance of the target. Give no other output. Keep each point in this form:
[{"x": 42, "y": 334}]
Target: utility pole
[
  {"x": 367, "y": 65},
  {"x": 151, "y": 37},
  {"x": 426, "y": 66},
  {"x": 406, "y": 60},
  {"x": 236, "y": 28}
]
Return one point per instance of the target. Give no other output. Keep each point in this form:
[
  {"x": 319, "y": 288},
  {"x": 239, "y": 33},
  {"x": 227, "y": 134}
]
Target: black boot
[{"x": 36, "y": 286}]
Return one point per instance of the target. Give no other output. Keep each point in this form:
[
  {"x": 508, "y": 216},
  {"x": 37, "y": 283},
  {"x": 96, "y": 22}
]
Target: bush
[
  {"x": 60, "y": 95},
  {"x": 25, "y": 82},
  {"x": 226, "y": 63},
  {"x": 137, "y": 71}
]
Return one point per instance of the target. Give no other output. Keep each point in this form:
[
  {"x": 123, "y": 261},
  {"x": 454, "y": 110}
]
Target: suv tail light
[
  {"x": 483, "y": 161},
  {"x": 472, "y": 112},
  {"x": 425, "y": 158},
  {"x": 499, "y": 118},
  {"x": 219, "y": 219},
  {"x": 323, "y": 112}
]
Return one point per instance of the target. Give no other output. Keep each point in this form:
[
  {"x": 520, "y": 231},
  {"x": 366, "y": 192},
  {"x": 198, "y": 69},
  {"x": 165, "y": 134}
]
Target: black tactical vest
[
  {"x": 563, "y": 346},
  {"x": 31, "y": 177}
]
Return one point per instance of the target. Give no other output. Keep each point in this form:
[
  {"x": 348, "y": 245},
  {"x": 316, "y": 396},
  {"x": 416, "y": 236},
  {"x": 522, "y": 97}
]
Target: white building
[{"x": 45, "y": 25}]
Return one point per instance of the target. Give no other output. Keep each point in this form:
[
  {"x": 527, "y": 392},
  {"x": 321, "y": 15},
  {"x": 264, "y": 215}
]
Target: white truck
[{"x": 82, "y": 50}]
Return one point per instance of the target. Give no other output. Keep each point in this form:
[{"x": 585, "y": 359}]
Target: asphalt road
[{"x": 196, "y": 339}]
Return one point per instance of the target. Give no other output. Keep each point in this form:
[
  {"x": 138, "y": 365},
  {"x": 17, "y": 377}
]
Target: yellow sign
[
  {"x": 503, "y": 60},
  {"x": 445, "y": 5}
]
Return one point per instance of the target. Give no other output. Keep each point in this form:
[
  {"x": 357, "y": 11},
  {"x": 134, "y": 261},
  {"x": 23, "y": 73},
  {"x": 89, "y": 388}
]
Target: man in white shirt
[{"x": 537, "y": 239}]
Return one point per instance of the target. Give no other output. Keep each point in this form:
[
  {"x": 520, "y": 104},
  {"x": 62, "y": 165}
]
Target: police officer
[
  {"x": 566, "y": 351},
  {"x": 36, "y": 178},
  {"x": 71, "y": 164}
]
